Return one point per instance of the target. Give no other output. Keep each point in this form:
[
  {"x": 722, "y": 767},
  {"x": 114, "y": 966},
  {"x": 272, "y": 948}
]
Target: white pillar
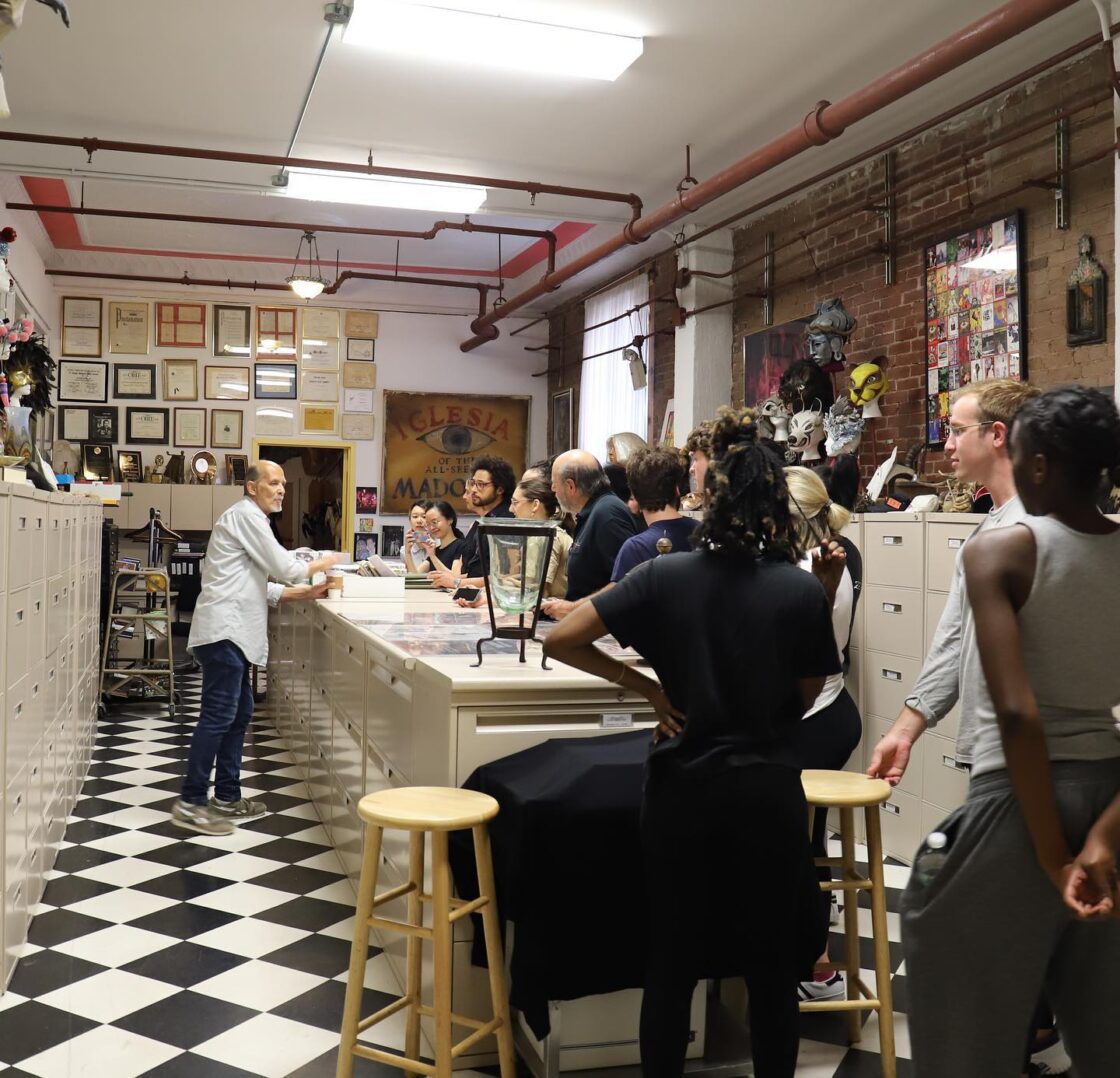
[{"x": 702, "y": 367}]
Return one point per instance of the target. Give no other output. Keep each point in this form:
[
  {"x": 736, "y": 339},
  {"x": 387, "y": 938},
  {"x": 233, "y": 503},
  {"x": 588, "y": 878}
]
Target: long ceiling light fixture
[
  {"x": 307, "y": 285},
  {"x": 356, "y": 190},
  {"x": 448, "y": 35}
]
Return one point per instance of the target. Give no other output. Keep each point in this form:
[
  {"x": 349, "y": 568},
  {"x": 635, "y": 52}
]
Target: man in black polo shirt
[
  {"x": 603, "y": 524},
  {"x": 488, "y": 493}
]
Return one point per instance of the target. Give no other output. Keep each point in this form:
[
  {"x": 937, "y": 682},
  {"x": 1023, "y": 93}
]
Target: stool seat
[
  {"x": 843, "y": 789},
  {"x": 427, "y": 808}
]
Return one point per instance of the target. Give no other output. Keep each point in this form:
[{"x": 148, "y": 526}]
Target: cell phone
[
  {"x": 419, "y": 536},
  {"x": 470, "y": 594}
]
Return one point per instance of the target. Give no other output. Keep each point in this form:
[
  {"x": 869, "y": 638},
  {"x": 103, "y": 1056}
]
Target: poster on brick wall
[
  {"x": 975, "y": 311},
  {"x": 433, "y": 439},
  {"x": 767, "y": 354}
]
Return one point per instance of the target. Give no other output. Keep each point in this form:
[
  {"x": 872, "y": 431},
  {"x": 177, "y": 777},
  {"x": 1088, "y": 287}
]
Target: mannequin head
[{"x": 806, "y": 432}]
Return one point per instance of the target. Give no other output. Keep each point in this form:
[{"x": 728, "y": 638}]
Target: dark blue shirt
[
  {"x": 602, "y": 526},
  {"x": 643, "y": 546}
]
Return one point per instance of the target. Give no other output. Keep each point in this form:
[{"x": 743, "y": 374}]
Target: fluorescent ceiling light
[
  {"x": 468, "y": 37},
  {"x": 357, "y": 190}
]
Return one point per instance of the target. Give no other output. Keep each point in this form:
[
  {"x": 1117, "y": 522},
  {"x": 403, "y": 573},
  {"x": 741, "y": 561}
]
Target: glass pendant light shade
[
  {"x": 309, "y": 284},
  {"x": 306, "y": 287}
]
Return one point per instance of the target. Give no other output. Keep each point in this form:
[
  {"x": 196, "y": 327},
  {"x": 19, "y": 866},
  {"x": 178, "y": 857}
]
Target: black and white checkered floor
[{"x": 156, "y": 952}]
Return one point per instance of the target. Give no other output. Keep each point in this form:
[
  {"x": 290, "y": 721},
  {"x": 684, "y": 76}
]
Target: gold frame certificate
[
  {"x": 319, "y": 354},
  {"x": 361, "y": 323},
  {"x": 233, "y": 330},
  {"x": 319, "y": 419},
  {"x": 129, "y": 328},
  {"x": 320, "y": 322},
  {"x": 319, "y": 386},
  {"x": 226, "y": 428},
  {"x": 359, "y": 376},
  {"x": 81, "y": 326},
  {"x": 180, "y": 379},
  {"x": 357, "y": 427},
  {"x": 227, "y": 383},
  {"x": 190, "y": 428}
]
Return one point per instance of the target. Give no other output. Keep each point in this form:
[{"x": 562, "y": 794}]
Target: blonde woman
[
  {"x": 831, "y": 728},
  {"x": 621, "y": 447}
]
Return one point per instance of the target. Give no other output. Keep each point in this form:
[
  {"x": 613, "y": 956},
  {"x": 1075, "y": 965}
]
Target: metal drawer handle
[
  {"x": 951, "y": 761},
  {"x": 892, "y": 675},
  {"x": 955, "y": 543},
  {"x": 892, "y": 608},
  {"x": 893, "y": 809},
  {"x": 19, "y": 616},
  {"x": 892, "y": 540}
]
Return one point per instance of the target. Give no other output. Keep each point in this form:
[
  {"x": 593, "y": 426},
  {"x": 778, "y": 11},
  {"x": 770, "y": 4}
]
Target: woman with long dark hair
[
  {"x": 723, "y": 798},
  {"x": 444, "y": 545}
]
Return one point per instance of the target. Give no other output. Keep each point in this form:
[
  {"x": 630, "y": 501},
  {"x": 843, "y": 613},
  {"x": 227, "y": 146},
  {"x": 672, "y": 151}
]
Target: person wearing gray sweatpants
[{"x": 986, "y": 930}]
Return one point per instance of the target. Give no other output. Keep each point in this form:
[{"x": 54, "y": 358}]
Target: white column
[{"x": 702, "y": 367}]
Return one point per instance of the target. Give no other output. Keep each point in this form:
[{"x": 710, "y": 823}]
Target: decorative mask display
[
  {"x": 843, "y": 428},
  {"x": 804, "y": 385},
  {"x": 828, "y": 333},
  {"x": 806, "y": 432},
  {"x": 774, "y": 419},
  {"x": 867, "y": 383}
]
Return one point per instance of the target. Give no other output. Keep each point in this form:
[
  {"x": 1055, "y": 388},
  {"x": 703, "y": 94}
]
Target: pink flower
[
  {"x": 3, "y": 331},
  {"x": 27, "y": 324}
]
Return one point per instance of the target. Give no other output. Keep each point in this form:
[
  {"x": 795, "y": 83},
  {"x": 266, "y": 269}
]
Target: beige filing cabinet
[
  {"x": 182, "y": 506},
  {"x": 50, "y": 549},
  {"x": 366, "y": 700}
]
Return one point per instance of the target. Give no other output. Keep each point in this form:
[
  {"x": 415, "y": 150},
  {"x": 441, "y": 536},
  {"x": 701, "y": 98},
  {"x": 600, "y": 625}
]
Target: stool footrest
[
  {"x": 378, "y": 1056},
  {"x": 385, "y": 1012},
  {"x": 471, "y": 1040},
  {"x": 840, "y": 1005},
  {"x": 400, "y": 926},
  {"x": 456, "y": 1019},
  {"x": 396, "y": 892},
  {"x": 467, "y": 908},
  {"x": 846, "y": 885}
]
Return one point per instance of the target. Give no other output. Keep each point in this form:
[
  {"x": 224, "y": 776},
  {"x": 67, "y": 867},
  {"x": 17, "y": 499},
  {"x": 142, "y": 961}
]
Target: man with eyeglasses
[
  {"x": 488, "y": 492},
  {"x": 978, "y": 451}
]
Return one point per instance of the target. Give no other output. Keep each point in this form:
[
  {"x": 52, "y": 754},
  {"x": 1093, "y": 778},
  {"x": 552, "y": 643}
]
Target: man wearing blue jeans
[{"x": 228, "y": 635}]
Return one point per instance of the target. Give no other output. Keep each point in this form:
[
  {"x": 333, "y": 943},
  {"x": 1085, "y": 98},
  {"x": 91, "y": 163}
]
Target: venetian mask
[
  {"x": 867, "y": 383},
  {"x": 773, "y": 413},
  {"x": 806, "y": 432}
]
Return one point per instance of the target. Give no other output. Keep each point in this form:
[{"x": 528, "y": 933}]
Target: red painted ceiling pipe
[{"x": 823, "y": 124}]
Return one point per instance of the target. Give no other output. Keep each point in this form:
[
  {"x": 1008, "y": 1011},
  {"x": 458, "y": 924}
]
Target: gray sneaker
[
  {"x": 200, "y": 818},
  {"x": 236, "y": 811}
]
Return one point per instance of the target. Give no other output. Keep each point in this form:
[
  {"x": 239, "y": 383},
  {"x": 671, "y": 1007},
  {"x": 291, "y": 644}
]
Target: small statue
[
  {"x": 828, "y": 333},
  {"x": 806, "y": 432},
  {"x": 867, "y": 383}
]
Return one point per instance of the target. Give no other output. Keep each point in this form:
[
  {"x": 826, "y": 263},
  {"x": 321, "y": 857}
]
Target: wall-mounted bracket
[
  {"x": 1061, "y": 166},
  {"x": 887, "y": 211},
  {"x": 768, "y": 279}
]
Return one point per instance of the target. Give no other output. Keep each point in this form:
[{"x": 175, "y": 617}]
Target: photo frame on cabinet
[
  {"x": 275, "y": 381},
  {"x": 81, "y": 326},
  {"x": 134, "y": 380},
  {"x": 225, "y": 428},
  {"x": 276, "y": 331},
  {"x": 360, "y": 349},
  {"x": 146, "y": 426},
  {"x": 180, "y": 379},
  {"x": 181, "y": 325},
  {"x": 80, "y": 381},
  {"x": 130, "y": 465},
  {"x": 227, "y": 383},
  {"x": 237, "y": 464},
  {"x": 233, "y": 330},
  {"x": 129, "y": 328},
  {"x": 189, "y": 428}
]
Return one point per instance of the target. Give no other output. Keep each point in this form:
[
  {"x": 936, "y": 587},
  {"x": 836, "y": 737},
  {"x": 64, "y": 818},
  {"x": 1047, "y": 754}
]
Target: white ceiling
[{"x": 723, "y": 75}]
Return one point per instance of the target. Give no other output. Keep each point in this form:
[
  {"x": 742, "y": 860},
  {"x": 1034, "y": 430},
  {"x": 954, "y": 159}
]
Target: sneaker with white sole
[
  {"x": 1051, "y": 1061},
  {"x": 200, "y": 818},
  {"x": 834, "y": 910},
  {"x": 236, "y": 811},
  {"x": 812, "y": 991}
]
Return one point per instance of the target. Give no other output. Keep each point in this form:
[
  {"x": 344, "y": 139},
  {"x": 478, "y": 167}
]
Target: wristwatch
[{"x": 456, "y": 580}]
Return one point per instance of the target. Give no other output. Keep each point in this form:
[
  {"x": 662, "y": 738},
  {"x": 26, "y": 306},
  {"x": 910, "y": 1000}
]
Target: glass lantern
[{"x": 515, "y": 556}]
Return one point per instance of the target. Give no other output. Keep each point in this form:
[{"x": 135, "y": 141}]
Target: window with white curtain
[{"x": 608, "y": 402}]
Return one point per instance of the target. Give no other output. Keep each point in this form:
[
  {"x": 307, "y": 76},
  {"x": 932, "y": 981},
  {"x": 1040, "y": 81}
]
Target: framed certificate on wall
[
  {"x": 190, "y": 428},
  {"x": 181, "y": 325},
  {"x": 146, "y": 426},
  {"x": 128, "y": 328},
  {"x": 78, "y": 381},
  {"x": 227, "y": 383},
  {"x": 225, "y": 428},
  {"x": 180, "y": 379},
  {"x": 137, "y": 380},
  {"x": 232, "y": 330},
  {"x": 81, "y": 326}
]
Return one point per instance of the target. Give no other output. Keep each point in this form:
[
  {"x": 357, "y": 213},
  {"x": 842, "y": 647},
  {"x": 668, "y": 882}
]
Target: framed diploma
[
  {"x": 275, "y": 381},
  {"x": 227, "y": 383},
  {"x": 360, "y": 349},
  {"x": 276, "y": 331},
  {"x": 357, "y": 427},
  {"x": 232, "y": 330},
  {"x": 103, "y": 424},
  {"x": 275, "y": 421},
  {"x": 190, "y": 428},
  {"x": 359, "y": 375},
  {"x": 180, "y": 379},
  {"x": 128, "y": 328},
  {"x": 146, "y": 426},
  {"x": 130, "y": 465},
  {"x": 181, "y": 325},
  {"x": 357, "y": 400},
  {"x": 81, "y": 326},
  {"x": 74, "y": 424},
  {"x": 136, "y": 380},
  {"x": 361, "y": 323},
  {"x": 320, "y": 354},
  {"x": 320, "y": 322},
  {"x": 319, "y": 386},
  {"x": 318, "y": 419},
  {"x": 79, "y": 381},
  {"x": 225, "y": 428}
]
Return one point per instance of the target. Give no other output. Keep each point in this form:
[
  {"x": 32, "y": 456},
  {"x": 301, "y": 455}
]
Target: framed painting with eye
[{"x": 432, "y": 439}]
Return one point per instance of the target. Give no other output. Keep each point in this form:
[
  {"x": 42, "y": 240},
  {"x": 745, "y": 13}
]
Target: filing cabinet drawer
[
  {"x": 347, "y": 751},
  {"x": 38, "y": 538},
  {"x": 935, "y": 607},
  {"x": 389, "y": 711},
  {"x": 21, "y": 509},
  {"x": 893, "y": 551},
  {"x": 944, "y": 539},
  {"x": 915, "y": 771},
  {"x": 5, "y": 540},
  {"x": 37, "y": 620},
  {"x": 944, "y": 782},
  {"x": 15, "y": 825},
  {"x": 57, "y": 615},
  {"x": 15, "y": 919},
  {"x": 56, "y": 529},
  {"x": 893, "y": 620},
  {"x": 348, "y": 692},
  {"x": 17, "y": 633},
  {"x": 18, "y": 734},
  {"x": 853, "y": 679},
  {"x": 887, "y": 681},
  {"x": 900, "y": 819}
]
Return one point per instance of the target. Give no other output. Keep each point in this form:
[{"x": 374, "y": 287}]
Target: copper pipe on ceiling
[
  {"x": 184, "y": 280},
  {"x": 351, "y": 275},
  {"x": 349, "y": 230},
  {"x": 531, "y": 187}
]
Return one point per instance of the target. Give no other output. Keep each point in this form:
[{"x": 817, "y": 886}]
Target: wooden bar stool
[
  {"x": 848, "y": 791},
  {"x": 419, "y": 810}
]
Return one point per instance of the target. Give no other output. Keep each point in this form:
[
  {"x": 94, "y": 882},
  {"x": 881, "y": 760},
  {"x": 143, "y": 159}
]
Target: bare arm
[{"x": 999, "y": 570}]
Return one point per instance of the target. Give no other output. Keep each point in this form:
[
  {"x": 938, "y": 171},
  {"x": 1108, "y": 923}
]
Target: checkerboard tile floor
[{"x": 163, "y": 953}]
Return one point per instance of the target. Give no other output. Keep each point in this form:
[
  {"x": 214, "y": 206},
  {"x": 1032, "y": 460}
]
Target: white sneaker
[
  {"x": 812, "y": 991},
  {"x": 834, "y": 910},
  {"x": 1052, "y": 1060}
]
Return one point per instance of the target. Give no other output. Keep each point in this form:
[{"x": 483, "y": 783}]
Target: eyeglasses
[
  {"x": 477, "y": 485},
  {"x": 956, "y": 432}
]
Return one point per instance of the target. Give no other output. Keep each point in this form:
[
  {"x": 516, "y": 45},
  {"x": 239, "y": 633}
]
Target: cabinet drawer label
[
  {"x": 892, "y": 608},
  {"x": 616, "y": 720},
  {"x": 892, "y": 675},
  {"x": 955, "y": 543},
  {"x": 892, "y": 540},
  {"x": 893, "y": 809}
]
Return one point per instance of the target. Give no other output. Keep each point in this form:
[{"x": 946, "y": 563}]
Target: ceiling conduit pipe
[
  {"x": 350, "y": 230},
  {"x": 93, "y": 145},
  {"x": 823, "y": 124},
  {"x": 358, "y": 275}
]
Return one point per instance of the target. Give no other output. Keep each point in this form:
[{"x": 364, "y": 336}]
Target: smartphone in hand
[{"x": 469, "y": 594}]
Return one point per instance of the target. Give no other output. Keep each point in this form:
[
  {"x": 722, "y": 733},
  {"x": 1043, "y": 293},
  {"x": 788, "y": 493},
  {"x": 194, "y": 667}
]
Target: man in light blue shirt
[{"x": 229, "y": 633}]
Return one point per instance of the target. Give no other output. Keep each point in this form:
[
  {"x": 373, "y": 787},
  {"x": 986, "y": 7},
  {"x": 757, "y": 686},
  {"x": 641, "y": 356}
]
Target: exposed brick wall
[
  {"x": 663, "y": 376},
  {"x": 946, "y": 182}
]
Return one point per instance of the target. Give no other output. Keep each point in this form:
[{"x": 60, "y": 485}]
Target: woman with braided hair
[{"x": 722, "y": 797}]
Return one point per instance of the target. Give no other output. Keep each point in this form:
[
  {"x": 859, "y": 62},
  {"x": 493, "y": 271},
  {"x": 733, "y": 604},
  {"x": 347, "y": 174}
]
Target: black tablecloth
[{"x": 567, "y": 865}]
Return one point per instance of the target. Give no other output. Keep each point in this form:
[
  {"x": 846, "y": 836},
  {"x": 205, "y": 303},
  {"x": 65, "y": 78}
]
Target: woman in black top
[
  {"x": 445, "y": 542},
  {"x": 723, "y": 799}
]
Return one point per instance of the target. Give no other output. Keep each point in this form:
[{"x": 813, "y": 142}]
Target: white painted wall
[{"x": 26, "y": 267}]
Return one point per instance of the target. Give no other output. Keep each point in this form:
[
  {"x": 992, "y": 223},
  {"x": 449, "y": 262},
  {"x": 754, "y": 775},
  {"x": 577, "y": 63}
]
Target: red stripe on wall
[{"x": 62, "y": 228}]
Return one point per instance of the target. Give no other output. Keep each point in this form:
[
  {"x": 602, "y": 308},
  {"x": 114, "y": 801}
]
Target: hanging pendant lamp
[{"x": 310, "y": 284}]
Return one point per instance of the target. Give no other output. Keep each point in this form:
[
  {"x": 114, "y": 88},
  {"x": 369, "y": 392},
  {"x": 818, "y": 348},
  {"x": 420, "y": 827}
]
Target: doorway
[{"x": 318, "y": 505}]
